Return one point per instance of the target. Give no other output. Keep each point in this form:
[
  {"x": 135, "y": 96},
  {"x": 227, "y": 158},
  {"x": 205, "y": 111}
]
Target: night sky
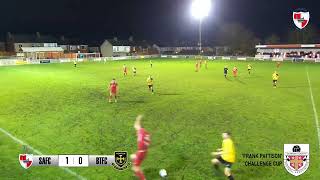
[{"x": 148, "y": 19}]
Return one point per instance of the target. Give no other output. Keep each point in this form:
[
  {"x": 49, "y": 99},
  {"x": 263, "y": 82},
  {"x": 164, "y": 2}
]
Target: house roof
[
  {"x": 42, "y": 49},
  {"x": 129, "y": 43},
  {"x": 32, "y": 38}
]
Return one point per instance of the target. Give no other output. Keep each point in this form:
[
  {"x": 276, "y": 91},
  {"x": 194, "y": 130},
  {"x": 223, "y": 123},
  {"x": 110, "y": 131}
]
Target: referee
[{"x": 226, "y": 155}]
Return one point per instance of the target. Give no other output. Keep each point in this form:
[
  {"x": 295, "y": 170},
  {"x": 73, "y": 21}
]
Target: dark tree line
[{"x": 242, "y": 41}]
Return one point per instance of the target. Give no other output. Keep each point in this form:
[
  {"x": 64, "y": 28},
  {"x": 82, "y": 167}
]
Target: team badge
[
  {"x": 120, "y": 160},
  {"x": 296, "y": 158},
  {"x": 25, "y": 160},
  {"x": 301, "y": 18}
]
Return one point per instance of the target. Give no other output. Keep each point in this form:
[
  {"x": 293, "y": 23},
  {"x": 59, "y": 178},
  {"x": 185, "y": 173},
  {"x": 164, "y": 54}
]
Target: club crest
[
  {"x": 120, "y": 160},
  {"x": 25, "y": 160},
  {"x": 301, "y": 18}
]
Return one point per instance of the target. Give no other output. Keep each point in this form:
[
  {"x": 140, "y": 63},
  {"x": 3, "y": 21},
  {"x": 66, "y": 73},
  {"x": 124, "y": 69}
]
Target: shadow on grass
[
  {"x": 291, "y": 87},
  {"x": 237, "y": 79},
  {"x": 134, "y": 101},
  {"x": 152, "y": 173},
  {"x": 169, "y": 94}
]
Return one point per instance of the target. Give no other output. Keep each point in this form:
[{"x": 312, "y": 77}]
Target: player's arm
[{"x": 219, "y": 153}]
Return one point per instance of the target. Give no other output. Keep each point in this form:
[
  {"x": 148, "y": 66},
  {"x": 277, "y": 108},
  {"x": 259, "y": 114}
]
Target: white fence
[{"x": 10, "y": 62}]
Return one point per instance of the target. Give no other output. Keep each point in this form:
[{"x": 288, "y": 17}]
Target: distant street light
[{"x": 199, "y": 10}]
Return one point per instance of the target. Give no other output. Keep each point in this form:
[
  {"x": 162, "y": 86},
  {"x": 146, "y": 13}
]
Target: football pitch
[{"x": 59, "y": 109}]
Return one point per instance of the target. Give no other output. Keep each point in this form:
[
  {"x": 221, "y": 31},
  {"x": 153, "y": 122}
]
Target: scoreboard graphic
[{"x": 71, "y": 160}]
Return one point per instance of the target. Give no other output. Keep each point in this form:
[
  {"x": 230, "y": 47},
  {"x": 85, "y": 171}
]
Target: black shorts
[
  {"x": 150, "y": 86},
  {"x": 249, "y": 69},
  {"x": 274, "y": 81},
  {"x": 225, "y": 163}
]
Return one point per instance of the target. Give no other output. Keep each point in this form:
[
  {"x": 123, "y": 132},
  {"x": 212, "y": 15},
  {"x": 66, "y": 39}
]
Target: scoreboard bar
[{"x": 73, "y": 160}]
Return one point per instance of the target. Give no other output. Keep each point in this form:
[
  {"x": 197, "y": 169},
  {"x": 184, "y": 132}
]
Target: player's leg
[
  {"x": 110, "y": 97},
  {"x": 215, "y": 162},
  {"x": 115, "y": 97},
  {"x": 227, "y": 172},
  {"x": 137, "y": 160},
  {"x": 138, "y": 172}
]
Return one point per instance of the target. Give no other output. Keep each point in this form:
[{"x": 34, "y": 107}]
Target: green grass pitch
[{"x": 59, "y": 109}]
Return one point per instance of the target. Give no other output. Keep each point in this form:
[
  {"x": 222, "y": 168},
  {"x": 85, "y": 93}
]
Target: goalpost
[{"x": 88, "y": 57}]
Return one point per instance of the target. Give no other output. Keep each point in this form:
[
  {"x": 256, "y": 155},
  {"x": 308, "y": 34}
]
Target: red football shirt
[
  {"x": 143, "y": 139},
  {"x": 113, "y": 87}
]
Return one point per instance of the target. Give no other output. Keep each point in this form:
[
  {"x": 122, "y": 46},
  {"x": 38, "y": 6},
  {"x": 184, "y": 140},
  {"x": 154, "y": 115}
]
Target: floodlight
[{"x": 200, "y": 8}]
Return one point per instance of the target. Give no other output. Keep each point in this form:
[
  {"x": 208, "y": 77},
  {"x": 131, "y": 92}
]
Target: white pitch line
[
  {"x": 316, "y": 119},
  {"x": 38, "y": 152}
]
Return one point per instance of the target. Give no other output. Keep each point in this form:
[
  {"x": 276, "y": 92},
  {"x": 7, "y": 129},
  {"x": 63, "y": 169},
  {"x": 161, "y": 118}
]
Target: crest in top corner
[{"x": 301, "y": 18}]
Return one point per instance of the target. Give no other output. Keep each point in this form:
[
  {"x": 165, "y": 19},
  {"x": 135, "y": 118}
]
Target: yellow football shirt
[
  {"x": 228, "y": 151},
  {"x": 150, "y": 81},
  {"x": 249, "y": 67},
  {"x": 275, "y": 76}
]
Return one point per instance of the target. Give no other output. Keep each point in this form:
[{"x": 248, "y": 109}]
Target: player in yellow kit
[
  {"x": 275, "y": 77},
  {"x": 249, "y": 68},
  {"x": 226, "y": 155},
  {"x": 150, "y": 83}
]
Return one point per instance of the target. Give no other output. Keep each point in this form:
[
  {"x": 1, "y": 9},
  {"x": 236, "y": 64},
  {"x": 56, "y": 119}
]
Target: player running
[
  {"x": 226, "y": 155},
  {"x": 235, "y": 71},
  {"x": 197, "y": 66},
  {"x": 125, "y": 70},
  {"x": 150, "y": 83},
  {"x": 225, "y": 71},
  {"x": 113, "y": 87},
  {"x": 75, "y": 63},
  {"x": 275, "y": 77},
  {"x": 249, "y": 68},
  {"x": 278, "y": 64},
  {"x": 134, "y": 70},
  {"x": 143, "y": 144},
  {"x": 150, "y": 63}
]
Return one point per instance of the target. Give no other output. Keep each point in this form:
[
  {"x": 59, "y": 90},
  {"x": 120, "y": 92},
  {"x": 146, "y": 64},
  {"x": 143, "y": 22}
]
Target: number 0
[{"x": 80, "y": 160}]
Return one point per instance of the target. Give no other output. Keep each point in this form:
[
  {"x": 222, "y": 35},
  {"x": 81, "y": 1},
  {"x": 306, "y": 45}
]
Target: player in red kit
[
  {"x": 143, "y": 144},
  {"x": 235, "y": 71},
  {"x": 125, "y": 70},
  {"x": 113, "y": 87}
]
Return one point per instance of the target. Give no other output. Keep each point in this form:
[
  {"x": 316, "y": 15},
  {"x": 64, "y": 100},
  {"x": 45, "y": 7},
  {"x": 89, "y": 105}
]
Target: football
[{"x": 163, "y": 173}]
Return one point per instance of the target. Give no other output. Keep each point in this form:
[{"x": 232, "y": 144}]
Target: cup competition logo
[
  {"x": 301, "y": 18},
  {"x": 296, "y": 158},
  {"x": 26, "y": 160}
]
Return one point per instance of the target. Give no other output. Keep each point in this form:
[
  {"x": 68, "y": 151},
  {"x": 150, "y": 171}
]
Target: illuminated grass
[{"x": 59, "y": 109}]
